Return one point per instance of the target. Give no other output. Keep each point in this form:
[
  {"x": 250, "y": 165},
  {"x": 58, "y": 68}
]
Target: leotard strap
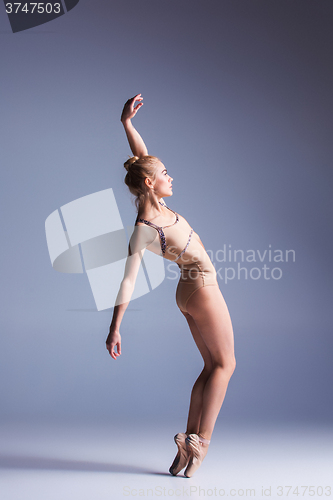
[
  {"x": 161, "y": 232},
  {"x": 159, "y": 228},
  {"x": 187, "y": 244}
]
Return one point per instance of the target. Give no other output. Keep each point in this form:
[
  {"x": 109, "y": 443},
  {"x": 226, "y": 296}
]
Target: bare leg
[
  {"x": 209, "y": 321},
  {"x": 211, "y": 327},
  {"x": 194, "y": 414}
]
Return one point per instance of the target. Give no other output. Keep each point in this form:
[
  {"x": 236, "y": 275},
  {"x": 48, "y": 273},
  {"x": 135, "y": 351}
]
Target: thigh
[
  {"x": 185, "y": 289},
  {"x": 199, "y": 341},
  {"x": 208, "y": 309}
]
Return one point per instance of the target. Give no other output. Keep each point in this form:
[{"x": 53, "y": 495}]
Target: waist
[{"x": 196, "y": 270}]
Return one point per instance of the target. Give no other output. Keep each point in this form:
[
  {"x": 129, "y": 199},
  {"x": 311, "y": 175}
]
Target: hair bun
[{"x": 130, "y": 162}]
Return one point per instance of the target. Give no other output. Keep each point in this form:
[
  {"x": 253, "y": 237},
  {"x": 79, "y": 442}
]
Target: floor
[{"x": 104, "y": 462}]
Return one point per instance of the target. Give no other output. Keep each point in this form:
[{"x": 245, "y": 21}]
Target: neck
[{"x": 151, "y": 207}]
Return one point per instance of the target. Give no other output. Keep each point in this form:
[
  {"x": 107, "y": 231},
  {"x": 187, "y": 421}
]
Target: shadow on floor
[{"x": 40, "y": 463}]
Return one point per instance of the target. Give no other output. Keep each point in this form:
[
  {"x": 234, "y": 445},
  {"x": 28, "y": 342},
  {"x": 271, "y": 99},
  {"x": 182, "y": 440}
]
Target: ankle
[
  {"x": 203, "y": 441},
  {"x": 188, "y": 432}
]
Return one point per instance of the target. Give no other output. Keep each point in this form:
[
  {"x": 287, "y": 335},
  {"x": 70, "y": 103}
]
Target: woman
[{"x": 198, "y": 295}]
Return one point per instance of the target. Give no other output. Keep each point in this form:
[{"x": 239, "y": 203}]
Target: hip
[{"x": 195, "y": 273}]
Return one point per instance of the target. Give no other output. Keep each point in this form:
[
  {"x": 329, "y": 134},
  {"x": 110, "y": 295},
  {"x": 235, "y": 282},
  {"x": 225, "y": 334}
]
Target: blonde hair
[{"x": 137, "y": 171}]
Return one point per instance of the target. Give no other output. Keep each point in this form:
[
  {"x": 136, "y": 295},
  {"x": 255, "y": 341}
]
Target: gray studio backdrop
[{"x": 238, "y": 106}]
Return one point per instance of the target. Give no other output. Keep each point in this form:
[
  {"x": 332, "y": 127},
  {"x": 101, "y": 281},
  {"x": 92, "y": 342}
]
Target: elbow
[
  {"x": 128, "y": 284},
  {"x": 142, "y": 152},
  {"x": 125, "y": 292}
]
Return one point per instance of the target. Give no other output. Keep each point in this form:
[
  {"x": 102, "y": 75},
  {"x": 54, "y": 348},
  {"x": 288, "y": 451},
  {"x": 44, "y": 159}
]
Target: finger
[
  {"x": 138, "y": 106},
  {"x": 110, "y": 348},
  {"x": 118, "y": 352},
  {"x": 136, "y": 98}
]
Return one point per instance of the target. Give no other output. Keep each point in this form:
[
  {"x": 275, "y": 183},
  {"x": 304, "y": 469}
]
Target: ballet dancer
[{"x": 160, "y": 229}]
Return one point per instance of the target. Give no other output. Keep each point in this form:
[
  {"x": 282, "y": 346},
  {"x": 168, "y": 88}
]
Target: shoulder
[{"x": 142, "y": 236}]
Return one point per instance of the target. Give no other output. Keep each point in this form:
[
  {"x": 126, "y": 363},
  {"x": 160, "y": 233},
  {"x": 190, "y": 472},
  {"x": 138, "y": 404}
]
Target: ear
[{"x": 149, "y": 183}]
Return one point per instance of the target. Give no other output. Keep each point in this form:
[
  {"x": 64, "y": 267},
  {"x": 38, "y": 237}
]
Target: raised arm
[{"x": 135, "y": 140}]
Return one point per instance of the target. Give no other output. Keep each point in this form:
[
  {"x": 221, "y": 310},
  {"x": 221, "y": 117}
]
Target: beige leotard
[{"x": 180, "y": 244}]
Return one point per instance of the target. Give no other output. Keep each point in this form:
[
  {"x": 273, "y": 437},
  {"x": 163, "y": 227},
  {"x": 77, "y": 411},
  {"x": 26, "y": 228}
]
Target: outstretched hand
[
  {"x": 114, "y": 340},
  {"x": 130, "y": 110}
]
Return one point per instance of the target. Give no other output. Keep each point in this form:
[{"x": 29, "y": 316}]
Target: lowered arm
[{"x": 141, "y": 238}]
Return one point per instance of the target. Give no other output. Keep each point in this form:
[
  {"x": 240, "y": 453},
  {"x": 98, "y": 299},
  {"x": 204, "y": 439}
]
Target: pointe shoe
[
  {"x": 182, "y": 457},
  {"x": 197, "y": 449}
]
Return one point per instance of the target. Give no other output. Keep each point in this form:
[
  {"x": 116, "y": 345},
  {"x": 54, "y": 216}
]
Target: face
[{"x": 163, "y": 182}]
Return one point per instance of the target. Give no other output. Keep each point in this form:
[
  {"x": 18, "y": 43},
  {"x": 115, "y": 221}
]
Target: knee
[
  {"x": 232, "y": 366},
  {"x": 206, "y": 372},
  {"x": 228, "y": 365}
]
